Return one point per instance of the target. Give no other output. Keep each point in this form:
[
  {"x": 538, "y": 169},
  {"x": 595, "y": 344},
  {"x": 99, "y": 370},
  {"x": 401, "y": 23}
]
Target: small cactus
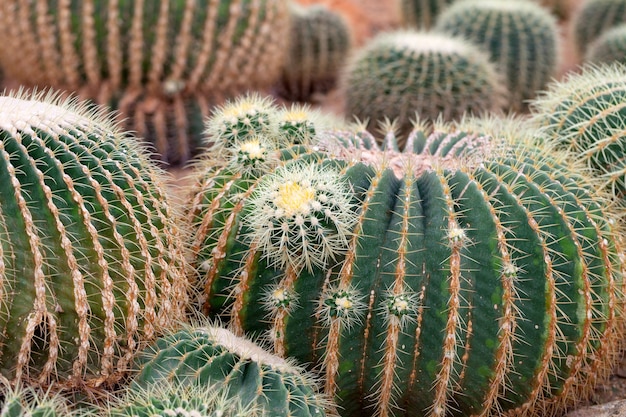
[
  {"x": 29, "y": 402},
  {"x": 210, "y": 356},
  {"x": 520, "y": 36},
  {"x": 422, "y": 14},
  {"x": 608, "y": 47},
  {"x": 401, "y": 74},
  {"x": 163, "y": 64},
  {"x": 593, "y": 18},
  {"x": 477, "y": 282},
  {"x": 91, "y": 258},
  {"x": 320, "y": 43},
  {"x": 585, "y": 115}
]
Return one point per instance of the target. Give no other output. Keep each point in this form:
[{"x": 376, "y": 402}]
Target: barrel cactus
[
  {"x": 29, "y": 402},
  {"x": 585, "y": 114},
  {"x": 211, "y": 356},
  {"x": 520, "y": 36},
  {"x": 476, "y": 283},
  {"x": 593, "y": 18},
  {"x": 608, "y": 47},
  {"x": 320, "y": 42},
  {"x": 401, "y": 74},
  {"x": 165, "y": 63},
  {"x": 91, "y": 257},
  {"x": 422, "y": 14}
]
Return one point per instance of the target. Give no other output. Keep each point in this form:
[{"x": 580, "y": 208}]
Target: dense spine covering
[
  {"x": 91, "y": 259},
  {"x": 163, "y": 62},
  {"x": 520, "y": 36},
  {"x": 422, "y": 14},
  {"x": 585, "y": 114},
  {"x": 487, "y": 283},
  {"x": 608, "y": 47},
  {"x": 29, "y": 402},
  {"x": 593, "y": 18},
  {"x": 211, "y": 356},
  {"x": 320, "y": 42},
  {"x": 401, "y": 74}
]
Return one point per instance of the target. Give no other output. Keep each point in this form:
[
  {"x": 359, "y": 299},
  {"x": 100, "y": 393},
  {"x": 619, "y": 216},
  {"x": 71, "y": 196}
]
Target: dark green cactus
[
  {"x": 422, "y": 14},
  {"x": 91, "y": 257},
  {"x": 608, "y": 47},
  {"x": 593, "y": 18},
  {"x": 320, "y": 42},
  {"x": 401, "y": 74},
  {"x": 211, "y": 356},
  {"x": 520, "y": 36},
  {"x": 163, "y": 63},
  {"x": 470, "y": 285}
]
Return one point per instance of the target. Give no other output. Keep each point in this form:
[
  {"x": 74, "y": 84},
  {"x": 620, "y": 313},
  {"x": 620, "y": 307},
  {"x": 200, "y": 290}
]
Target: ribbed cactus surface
[
  {"x": 160, "y": 62},
  {"x": 421, "y": 14},
  {"x": 402, "y": 74},
  {"x": 210, "y": 356},
  {"x": 593, "y": 18},
  {"x": 320, "y": 42},
  {"x": 91, "y": 259},
  {"x": 520, "y": 36},
  {"x": 471, "y": 286},
  {"x": 609, "y": 47}
]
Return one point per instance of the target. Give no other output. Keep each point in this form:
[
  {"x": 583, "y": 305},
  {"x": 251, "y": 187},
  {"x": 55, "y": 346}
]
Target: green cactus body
[
  {"x": 471, "y": 286},
  {"x": 422, "y": 14},
  {"x": 593, "y": 18},
  {"x": 609, "y": 47},
  {"x": 92, "y": 261},
  {"x": 165, "y": 63},
  {"x": 29, "y": 402},
  {"x": 401, "y": 74},
  {"x": 215, "y": 357},
  {"x": 320, "y": 43},
  {"x": 521, "y": 37},
  {"x": 585, "y": 114}
]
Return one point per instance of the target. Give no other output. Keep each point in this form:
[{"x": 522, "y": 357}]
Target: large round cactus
[
  {"x": 161, "y": 62},
  {"x": 609, "y": 47},
  {"x": 585, "y": 114},
  {"x": 485, "y": 282},
  {"x": 520, "y": 36},
  {"x": 421, "y": 14},
  {"x": 593, "y": 18},
  {"x": 91, "y": 258},
  {"x": 401, "y": 74},
  {"x": 210, "y": 356}
]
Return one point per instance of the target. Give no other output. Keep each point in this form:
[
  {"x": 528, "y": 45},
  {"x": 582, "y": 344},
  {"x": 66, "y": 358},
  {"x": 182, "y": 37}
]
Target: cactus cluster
[
  {"x": 91, "y": 258},
  {"x": 161, "y": 63},
  {"x": 421, "y": 14},
  {"x": 520, "y": 36},
  {"x": 477, "y": 282},
  {"x": 320, "y": 41},
  {"x": 595, "y": 17},
  {"x": 401, "y": 74}
]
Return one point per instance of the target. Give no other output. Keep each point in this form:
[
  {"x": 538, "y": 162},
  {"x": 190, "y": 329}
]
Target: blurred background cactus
[
  {"x": 401, "y": 75},
  {"x": 421, "y": 14},
  {"x": 520, "y": 36},
  {"x": 163, "y": 63},
  {"x": 594, "y": 17},
  {"x": 609, "y": 47},
  {"x": 92, "y": 261},
  {"x": 320, "y": 42}
]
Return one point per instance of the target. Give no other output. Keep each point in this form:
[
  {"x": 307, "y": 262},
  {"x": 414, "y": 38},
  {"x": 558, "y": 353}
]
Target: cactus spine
[
  {"x": 520, "y": 36},
  {"x": 320, "y": 42},
  {"x": 215, "y": 357},
  {"x": 163, "y": 62},
  {"x": 91, "y": 260},
  {"x": 401, "y": 74},
  {"x": 483, "y": 284},
  {"x": 593, "y": 18},
  {"x": 422, "y": 14}
]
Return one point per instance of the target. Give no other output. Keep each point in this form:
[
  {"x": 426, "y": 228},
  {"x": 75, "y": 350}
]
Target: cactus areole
[
  {"x": 469, "y": 287},
  {"x": 91, "y": 262}
]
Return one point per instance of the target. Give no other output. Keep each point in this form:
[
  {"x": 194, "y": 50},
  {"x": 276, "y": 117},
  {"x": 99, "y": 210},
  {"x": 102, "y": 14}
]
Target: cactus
[
  {"x": 608, "y": 47},
  {"x": 214, "y": 357},
  {"x": 320, "y": 42},
  {"x": 173, "y": 400},
  {"x": 91, "y": 258},
  {"x": 29, "y": 402},
  {"x": 520, "y": 36},
  {"x": 474, "y": 284},
  {"x": 165, "y": 63},
  {"x": 593, "y": 18},
  {"x": 403, "y": 73},
  {"x": 422, "y": 14},
  {"x": 585, "y": 114}
]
